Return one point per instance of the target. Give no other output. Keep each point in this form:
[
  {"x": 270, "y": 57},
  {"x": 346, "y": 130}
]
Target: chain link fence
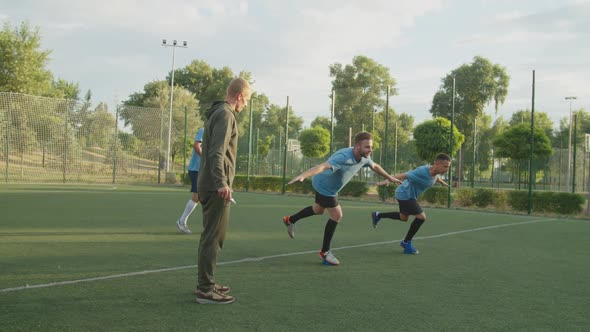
[{"x": 57, "y": 140}]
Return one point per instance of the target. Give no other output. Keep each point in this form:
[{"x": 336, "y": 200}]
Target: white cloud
[
  {"x": 201, "y": 18},
  {"x": 508, "y": 16},
  {"x": 321, "y": 33},
  {"x": 517, "y": 37}
]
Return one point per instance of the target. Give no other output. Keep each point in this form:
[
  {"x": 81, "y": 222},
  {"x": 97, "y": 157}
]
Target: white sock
[{"x": 190, "y": 206}]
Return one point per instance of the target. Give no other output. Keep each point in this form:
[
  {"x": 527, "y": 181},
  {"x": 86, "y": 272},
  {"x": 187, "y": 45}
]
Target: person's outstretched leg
[{"x": 376, "y": 216}]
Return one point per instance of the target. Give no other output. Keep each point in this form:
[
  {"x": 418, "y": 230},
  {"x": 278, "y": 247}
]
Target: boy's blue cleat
[
  {"x": 375, "y": 218},
  {"x": 408, "y": 248}
]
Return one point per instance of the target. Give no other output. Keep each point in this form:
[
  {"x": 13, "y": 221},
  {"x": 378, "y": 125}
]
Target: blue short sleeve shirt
[
  {"x": 344, "y": 167},
  {"x": 195, "y": 161},
  {"x": 416, "y": 182}
]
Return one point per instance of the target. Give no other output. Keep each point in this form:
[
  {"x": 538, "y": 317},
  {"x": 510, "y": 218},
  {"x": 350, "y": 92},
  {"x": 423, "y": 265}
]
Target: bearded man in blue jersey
[
  {"x": 415, "y": 183},
  {"x": 328, "y": 179}
]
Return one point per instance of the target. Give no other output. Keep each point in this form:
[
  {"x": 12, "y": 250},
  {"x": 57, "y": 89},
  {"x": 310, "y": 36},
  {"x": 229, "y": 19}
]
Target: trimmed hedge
[
  {"x": 547, "y": 201},
  {"x": 483, "y": 197},
  {"x": 543, "y": 201},
  {"x": 465, "y": 196},
  {"x": 275, "y": 184},
  {"x": 386, "y": 192},
  {"x": 436, "y": 195}
]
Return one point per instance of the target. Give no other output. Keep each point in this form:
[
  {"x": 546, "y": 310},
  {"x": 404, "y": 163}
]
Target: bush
[
  {"x": 436, "y": 195},
  {"x": 185, "y": 178},
  {"x": 354, "y": 189},
  {"x": 171, "y": 178},
  {"x": 483, "y": 197},
  {"x": 465, "y": 196},
  {"x": 500, "y": 199},
  {"x": 554, "y": 202},
  {"x": 568, "y": 203},
  {"x": 518, "y": 200},
  {"x": 386, "y": 192}
]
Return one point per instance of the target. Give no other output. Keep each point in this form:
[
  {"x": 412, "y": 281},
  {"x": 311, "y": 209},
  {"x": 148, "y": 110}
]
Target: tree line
[{"x": 359, "y": 96}]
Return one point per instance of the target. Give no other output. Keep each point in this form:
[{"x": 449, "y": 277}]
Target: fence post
[
  {"x": 65, "y": 153},
  {"x": 184, "y": 145},
  {"x": 249, "y": 148},
  {"x": 8, "y": 119},
  {"x": 115, "y": 142},
  {"x": 160, "y": 144},
  {"x": 286, "y": 146}
]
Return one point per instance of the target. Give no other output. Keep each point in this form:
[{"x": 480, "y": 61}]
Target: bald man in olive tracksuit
[{"x": 216, "y": 175}]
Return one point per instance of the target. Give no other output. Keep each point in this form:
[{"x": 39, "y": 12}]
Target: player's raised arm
[{"x": 311, "y": 172}]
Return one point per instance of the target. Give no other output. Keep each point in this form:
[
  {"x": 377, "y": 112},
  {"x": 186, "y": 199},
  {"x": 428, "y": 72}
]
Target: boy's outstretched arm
[{"x": 311, "y": 172}]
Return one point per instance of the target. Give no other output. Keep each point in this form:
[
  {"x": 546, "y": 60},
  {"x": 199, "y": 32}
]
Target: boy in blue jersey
[
  {"x": 415, "y": 183},
  {"x": 328, "y": 179},
  {"x": 193, "y": 173}
]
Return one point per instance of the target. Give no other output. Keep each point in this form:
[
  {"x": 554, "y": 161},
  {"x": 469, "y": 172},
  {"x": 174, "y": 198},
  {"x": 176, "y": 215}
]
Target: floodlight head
[
  {"x": 184, "y": 43},
  {"x": 163, "y": 41},
  {"x": 174, "y": 42}
]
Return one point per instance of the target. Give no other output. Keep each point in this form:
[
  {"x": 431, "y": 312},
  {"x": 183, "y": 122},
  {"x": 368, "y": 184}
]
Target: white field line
[{"x": 256, "y": 259}]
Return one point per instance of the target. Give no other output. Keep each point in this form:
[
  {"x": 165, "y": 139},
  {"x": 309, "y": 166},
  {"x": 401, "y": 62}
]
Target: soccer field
[{"x": 110, "y": 258}]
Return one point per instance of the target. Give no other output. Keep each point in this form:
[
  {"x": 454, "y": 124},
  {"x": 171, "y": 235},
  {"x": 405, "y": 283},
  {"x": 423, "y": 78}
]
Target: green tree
[
  {"x": 542, "y": 120},
  {"x": 264, "y": 146},
  {"x": 315, "y": 142},
  {"x": 323, "y": 122},
  {"x": 61, "y": 88},
  {"x": 273, "y": 122},
  {"x": 476, "y": 85},
  {"x": 207, "y": 83},
  {"x": 406, "y": 154},
  {"x": 583, "y": 127},
  {"x": 514, "y": 143},
  {"x": 23, "y": 62},
  {"x": 432, "y": 137},
  {"x": 146, "y": 124},
  {"x": 360, "y": 88},
  {"x": 102, "y": 126},
  {"x": 129, "y": 142}
]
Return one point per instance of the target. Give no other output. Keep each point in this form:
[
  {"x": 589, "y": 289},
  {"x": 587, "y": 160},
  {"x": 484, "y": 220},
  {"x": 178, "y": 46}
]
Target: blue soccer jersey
[
  {"x": 195, "y": 161},
  {"x": 344, "y": 167},
  {"x": 416, "y": 182}
]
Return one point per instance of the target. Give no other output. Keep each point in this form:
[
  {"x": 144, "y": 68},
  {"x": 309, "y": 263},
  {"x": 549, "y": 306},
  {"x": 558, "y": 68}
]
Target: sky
[{"x": 113, "y": 47}]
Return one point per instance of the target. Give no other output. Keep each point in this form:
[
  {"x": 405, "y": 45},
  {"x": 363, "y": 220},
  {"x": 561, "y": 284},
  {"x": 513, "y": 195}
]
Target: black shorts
[
  {"x": 409, "y": 207},
  {"x": 194, "y": 175},
  {"x": 325, "y": 201}
]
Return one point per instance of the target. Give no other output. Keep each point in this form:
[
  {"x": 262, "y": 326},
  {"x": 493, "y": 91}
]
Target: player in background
[
  {"x": 328, "y": 179},
  {"x": 193, "y": 173},
  {"x": 415, "y": 183}
]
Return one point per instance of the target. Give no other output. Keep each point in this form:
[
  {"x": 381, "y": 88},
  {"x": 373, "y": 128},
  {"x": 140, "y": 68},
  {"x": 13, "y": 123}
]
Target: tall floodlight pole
[
  {"x": 174, "y": 46},
  {"x": 569, "y": 145}
]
